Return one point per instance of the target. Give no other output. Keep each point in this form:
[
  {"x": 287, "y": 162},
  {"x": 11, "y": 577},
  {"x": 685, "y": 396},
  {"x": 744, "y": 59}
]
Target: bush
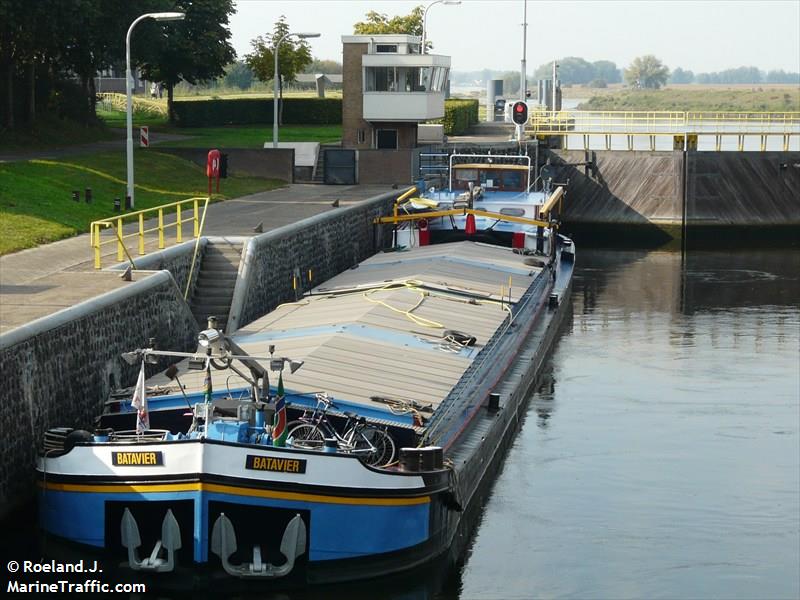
[
  {"x": 459, "y": 115},
  {"x": 250, "y": 111}
]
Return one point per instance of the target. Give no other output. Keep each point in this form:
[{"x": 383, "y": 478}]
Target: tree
[
  {"x": 681, "y": 76},
  {"x": 781, "y": 76},
  {"x": 646, "y": 72},
  {"x": 293, "y": 56},
  {"x": 323, "y": 66},
  {"x": 607, "y": 71},
  {"x": 377, "y": 23},
  {"x": 571, "y": 69},
  {"x": 238, "y": 74},
  {"x": 195, "y": 49}
]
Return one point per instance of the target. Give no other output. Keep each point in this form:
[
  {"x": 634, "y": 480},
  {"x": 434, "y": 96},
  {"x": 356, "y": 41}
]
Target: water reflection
[{"x": 671, "y": 467}]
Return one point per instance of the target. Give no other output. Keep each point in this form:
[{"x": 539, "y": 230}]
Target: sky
[{"x": 701, "y": 36}]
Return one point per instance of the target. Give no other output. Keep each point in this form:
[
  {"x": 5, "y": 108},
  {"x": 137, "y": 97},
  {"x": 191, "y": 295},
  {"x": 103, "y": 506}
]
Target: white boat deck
[{"x": 373, "y": 330}]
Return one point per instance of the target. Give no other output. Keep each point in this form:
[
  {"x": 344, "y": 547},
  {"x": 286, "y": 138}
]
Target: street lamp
[
  {"x": 162, "y": 16},
  {"x": 425, "y": 17},
  {"x": 302, "y": 36}
]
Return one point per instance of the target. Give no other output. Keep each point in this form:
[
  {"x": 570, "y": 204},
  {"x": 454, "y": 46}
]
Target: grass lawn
[
  {"x": 253, "y": 136},
  {"x": 35, "y": 196},
  {"x": 231, "y": 136}
]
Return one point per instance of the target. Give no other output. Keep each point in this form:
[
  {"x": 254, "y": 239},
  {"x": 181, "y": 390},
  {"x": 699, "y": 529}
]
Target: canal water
[{"x": 660, "y": 454}]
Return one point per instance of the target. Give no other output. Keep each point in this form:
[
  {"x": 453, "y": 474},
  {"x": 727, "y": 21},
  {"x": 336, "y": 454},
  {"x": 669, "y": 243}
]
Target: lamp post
[
  {"x": 302, "y": 36},
  {"x": 425, "y": 17},
  {"x": 162, "y": 16}
]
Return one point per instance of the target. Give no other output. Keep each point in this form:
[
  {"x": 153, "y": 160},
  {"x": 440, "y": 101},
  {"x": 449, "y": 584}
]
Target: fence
[{"x": 140, "y": 231}]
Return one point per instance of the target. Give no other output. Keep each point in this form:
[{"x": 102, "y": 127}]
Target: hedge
[
  {"x": 459, "y": 116},
  {"x": 248, "y": 111}
]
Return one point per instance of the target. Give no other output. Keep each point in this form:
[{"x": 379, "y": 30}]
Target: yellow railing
[
  {"x": 543, "y": 123},
  {"x": 117, "y": 225}
]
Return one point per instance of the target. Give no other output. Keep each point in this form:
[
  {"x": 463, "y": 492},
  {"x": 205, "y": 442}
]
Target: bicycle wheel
[
  {"x": 383, "y": 444},
  {"x": 307, "y": 436}
]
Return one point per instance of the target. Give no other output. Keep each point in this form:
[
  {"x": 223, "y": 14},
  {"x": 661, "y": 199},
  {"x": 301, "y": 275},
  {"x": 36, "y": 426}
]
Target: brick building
[{"x": 388, "y": 88}]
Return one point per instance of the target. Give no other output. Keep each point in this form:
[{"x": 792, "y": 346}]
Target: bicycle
[{"x": 373, "y": 445}]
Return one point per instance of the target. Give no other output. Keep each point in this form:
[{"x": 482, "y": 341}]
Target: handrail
[
  {"x": 402, "y": 197},
  {"x": 460, "y": 212},
  {"x": 655, "y": 121},
  {"x": 194, "y": 254},
  {"x": 118, "y": 222}
]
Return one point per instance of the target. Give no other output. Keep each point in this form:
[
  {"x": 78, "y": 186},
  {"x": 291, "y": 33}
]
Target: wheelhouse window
[
  {"x": 386, "y": 48},
  {"x": 507, "y": 180}
]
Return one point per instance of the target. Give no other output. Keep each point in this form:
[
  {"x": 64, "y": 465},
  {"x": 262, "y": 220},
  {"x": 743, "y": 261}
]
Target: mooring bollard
[
  {"x": 76, "y": 196},
  {"x": 117, "y": 205},
  {"x": 88, "y": 196}
]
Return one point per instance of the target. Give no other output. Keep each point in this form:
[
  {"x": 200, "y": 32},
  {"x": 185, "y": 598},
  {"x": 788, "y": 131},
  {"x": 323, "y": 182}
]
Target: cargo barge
[{"x": 339, "y": 437}]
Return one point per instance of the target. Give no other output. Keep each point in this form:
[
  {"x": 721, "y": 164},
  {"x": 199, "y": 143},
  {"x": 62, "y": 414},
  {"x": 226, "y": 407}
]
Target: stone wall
[
  {"x": 58, "y": 370},
  {"x": 327, "y": 244},
  {"x": 386, "y": 166},
  {"x": 277, "y": 163}
]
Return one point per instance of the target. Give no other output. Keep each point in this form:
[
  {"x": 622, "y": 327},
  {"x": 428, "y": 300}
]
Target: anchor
[
  {"x": 223, "y": 544},
  {"x": 170, "y": 541}
]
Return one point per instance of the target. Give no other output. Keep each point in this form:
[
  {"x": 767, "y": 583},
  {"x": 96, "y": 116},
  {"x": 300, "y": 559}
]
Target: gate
[{"x": 340, "y": 166}]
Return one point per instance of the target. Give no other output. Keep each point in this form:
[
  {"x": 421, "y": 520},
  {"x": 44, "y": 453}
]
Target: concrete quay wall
[
  {"x": 673, "y": 190},
  {"x": 58, "y": 370}
]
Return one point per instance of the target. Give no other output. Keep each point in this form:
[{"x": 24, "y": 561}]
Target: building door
[{"x": 386, "y": 139}]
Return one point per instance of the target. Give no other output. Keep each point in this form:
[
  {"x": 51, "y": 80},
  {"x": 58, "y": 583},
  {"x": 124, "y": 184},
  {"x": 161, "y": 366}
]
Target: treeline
[
  {"x": 737, "y": 75},
  {"x": 51, "y": 51},
  {"x": 578, "y": 71},
  {"x": 238, "y": 74}
]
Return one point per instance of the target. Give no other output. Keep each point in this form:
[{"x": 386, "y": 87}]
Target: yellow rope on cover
[{"x": 411, "y": 285}]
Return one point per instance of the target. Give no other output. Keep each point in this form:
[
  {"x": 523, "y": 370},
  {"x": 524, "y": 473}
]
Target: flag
[
  {"x": 207, "y": 389},
  {"x": 139, "y": 402},
  {"x": 279, "y": 421}
]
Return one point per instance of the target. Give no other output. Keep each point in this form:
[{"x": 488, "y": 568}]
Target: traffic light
[{"x": 519, "y": 113}]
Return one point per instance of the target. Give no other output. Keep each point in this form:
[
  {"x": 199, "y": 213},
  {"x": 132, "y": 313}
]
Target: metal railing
[
  {"x": 140, "y": 231},
  {"x": 716, "y": 124}
]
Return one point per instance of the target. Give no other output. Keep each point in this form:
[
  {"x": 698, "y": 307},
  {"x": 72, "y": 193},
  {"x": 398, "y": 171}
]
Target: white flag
[{"x": 139, "y": 402}]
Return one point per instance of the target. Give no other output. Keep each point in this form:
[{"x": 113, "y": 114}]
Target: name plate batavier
[
  {"x": 281, "y": 465},
  {"x": 137, "y": 459}
]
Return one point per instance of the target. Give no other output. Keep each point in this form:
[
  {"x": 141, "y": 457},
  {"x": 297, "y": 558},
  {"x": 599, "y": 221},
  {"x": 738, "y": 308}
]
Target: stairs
[
  {"x": 216, "y": 280},
  {"x": 319, "y": 169}
]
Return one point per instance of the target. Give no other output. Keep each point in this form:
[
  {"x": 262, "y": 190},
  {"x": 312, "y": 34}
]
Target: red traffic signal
[{"x": 519, "y": 113}]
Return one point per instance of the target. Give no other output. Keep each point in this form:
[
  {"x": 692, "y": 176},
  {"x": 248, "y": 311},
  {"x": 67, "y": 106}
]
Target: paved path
[
  {"x": 104, "y": 146},
  {"x": 43, "y": 280}
]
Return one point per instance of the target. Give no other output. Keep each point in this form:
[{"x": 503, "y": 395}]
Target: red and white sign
[{"x": 144, "y": 136}]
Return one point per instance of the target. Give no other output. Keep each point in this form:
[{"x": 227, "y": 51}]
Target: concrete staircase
[
  {"x": 213, "y": 291},
  {"x": 319, "y": 169}
]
